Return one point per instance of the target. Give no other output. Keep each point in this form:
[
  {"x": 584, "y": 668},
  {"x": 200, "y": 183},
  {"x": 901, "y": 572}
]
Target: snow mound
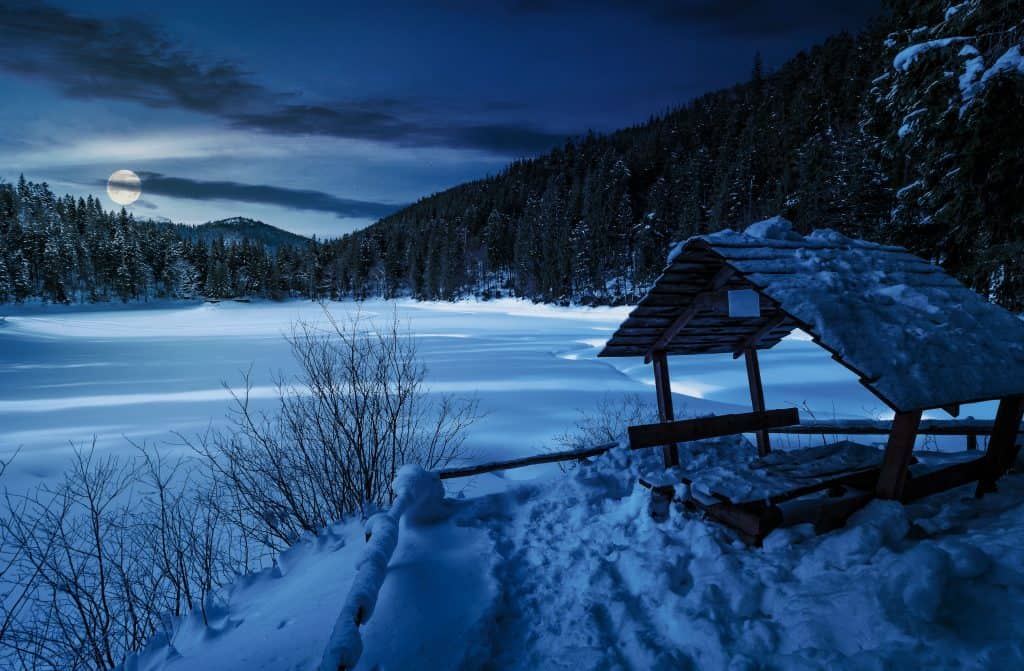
[
  {"x": 906, "y": 58},
  {"x": 776, "y": 228}
]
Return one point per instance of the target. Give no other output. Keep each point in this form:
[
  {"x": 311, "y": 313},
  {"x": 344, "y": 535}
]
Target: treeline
[
  {"x": 68, "y": 250},
  {"x": 911, "y": 132},
  {"x": 925, "y": 151}
]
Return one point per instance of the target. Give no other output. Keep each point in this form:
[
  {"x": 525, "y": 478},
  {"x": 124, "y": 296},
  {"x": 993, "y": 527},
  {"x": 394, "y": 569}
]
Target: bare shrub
[
  {"x": 90, "y": 569},
  {"x": 342, "y": 427},
  {"x": 608, "y": 421},
  {"x": 102, "y": 559}
]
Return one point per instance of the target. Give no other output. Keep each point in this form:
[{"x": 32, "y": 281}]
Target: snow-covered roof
[{"x": 916, "y": 337}]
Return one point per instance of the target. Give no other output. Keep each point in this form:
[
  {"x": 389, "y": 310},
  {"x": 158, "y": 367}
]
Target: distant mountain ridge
[
  {"x": 236, "y": 229},
  {"x": 63, "y": 249}
]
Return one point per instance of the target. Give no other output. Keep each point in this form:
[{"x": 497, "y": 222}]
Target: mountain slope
[
  {"x": 236, "y": 229},
  {"x": 823, "y": 140}
]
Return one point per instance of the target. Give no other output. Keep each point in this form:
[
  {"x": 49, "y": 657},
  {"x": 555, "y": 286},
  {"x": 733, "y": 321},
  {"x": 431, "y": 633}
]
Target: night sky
[{"x": 319, "y": 117}]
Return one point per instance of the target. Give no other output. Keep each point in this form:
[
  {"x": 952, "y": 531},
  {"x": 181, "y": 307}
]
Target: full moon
[{"x": 124, "y": 187}]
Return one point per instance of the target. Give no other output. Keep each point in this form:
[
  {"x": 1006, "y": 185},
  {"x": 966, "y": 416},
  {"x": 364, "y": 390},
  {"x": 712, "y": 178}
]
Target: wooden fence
[{"x": 970, "y": 428}]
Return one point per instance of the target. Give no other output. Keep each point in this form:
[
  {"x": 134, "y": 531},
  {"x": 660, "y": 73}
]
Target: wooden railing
[
  {"x": 544, "y": 458},
  {"x": 971, "y": 428}
]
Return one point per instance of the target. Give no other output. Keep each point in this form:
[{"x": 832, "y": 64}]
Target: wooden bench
[{"x": 752, "y": 519}]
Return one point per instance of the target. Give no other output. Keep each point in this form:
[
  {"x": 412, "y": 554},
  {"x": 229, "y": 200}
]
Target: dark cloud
[
  {"x": 740, "y": 18},
  {"x": 296, "y": 199},
  {"x": 142, "y": 202},
  {"x": 371, "y": 124},
  {"x": 128, "y": 60},
  {"x": 122, "y": 59}
]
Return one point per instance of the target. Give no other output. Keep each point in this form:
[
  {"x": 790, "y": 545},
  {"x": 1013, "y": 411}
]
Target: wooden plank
[
  {"x": 757, "y": 336},
  {"x": 669, "y": 333},
  {"x": 834, "y": 513},
  {"x": 865, "y": 478},
  {"x": 1002, "y": 446},
  {"x": 897, "y": 454},
  {"x": 546, "y": 458},
  {"x": 649, "y": 435},
  {"x": 867, "y": 427},
  {"x": 663, "y": 387},
  {"x": 757, "y": 398},
  {"x": 753, "y": 522},
  {"x": 942, "y": 479},
  {"x": 680, "y": 322}
]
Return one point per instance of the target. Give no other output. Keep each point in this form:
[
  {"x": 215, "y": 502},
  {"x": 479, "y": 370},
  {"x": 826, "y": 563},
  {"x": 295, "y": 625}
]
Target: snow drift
[{"x": 573, "y": 573}]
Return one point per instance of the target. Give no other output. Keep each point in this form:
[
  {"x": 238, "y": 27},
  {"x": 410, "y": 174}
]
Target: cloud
[
  {"x": 735, "y": 18},
  {"x": 125, "y": 59},
  {"x": 296, "y": 199}
]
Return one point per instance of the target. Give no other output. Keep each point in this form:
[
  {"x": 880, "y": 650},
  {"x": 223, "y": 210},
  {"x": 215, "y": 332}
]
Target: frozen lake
[{"x": 69, "y": 374}]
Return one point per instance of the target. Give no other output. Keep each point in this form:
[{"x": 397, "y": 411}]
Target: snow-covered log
[{"x": 419, "y": 496}]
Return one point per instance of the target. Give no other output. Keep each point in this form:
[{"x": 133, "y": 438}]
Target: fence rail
[
  {"x": 971, "y": 428},
  {"x": 545, "y": 458}
]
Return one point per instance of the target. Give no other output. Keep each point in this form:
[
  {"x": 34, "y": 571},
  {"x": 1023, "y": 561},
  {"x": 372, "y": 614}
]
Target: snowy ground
[
  {"x": 68, "y": 374},
  {"x": 563, "y": 571},
  {"x": 574, "y": 574}
]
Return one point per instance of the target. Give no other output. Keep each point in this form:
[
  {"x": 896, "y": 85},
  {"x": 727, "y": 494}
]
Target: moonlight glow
[{"x": 124, "y": 187}]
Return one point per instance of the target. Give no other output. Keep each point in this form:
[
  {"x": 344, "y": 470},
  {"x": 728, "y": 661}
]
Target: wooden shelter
[{"x": 916, "y": 338}]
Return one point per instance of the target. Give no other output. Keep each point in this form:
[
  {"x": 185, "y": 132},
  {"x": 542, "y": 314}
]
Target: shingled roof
[{"x": 916, "y": 337}]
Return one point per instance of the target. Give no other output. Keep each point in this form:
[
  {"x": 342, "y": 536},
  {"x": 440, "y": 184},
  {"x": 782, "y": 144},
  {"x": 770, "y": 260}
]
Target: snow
[
  {"x": 574, "y": 574},
  {"x": 73, "y": 373},
  {"x": 954, "y": 10},
  {"x": 419, "y": 495},
  {"x": 1011, "y": 61},
  {"x": 535, "y": 568},
  {"x": 976, "y": 76},
  {"x": 974, "y": 66},
  {"x": 283, "y": 618},
  {"x": 919, "y": 338},
  {"x": 905, "y": 58},
  {"x": 775, "y": 228},
  {"x": 909, "y": 123}
]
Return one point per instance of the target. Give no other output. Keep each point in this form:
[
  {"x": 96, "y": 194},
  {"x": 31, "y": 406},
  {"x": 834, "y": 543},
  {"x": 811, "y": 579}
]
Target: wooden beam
[
  {"x": 650, "y": 435},
  {"x": 1002, "y": 445},
  {"x": 720, "y": 279},
  {"x": 942, "y": 479},
  {"x": 673, "y": 329},
  {"x": 897, "y": 454},
  {"x": 753, "y": 522},
  {"x": 953, "y": 409},
  {"x": 757, "y": 398},
  {"x": 870, "y": 427},
  {"x": 546, "y": 458},
  {"x": 758, "y": 335},
  {"x": 663, "y": 387}
]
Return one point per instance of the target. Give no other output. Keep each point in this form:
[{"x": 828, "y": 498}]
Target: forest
[
  {"x": 911, "y": 132},
  {"x": 67, "y": 250}
]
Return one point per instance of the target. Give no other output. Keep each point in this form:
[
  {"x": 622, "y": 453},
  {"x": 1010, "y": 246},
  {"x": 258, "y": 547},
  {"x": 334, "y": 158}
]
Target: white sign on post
[{"x": 744, "y": 303}]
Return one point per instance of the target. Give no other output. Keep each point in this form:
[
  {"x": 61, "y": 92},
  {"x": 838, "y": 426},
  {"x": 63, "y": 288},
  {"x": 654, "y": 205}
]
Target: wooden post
[
  {"x": 1002, "y": 444},
  {"x": 665, "y": 412},
  {"x": 757, "y": 397},
  {"x": 897, "y": 454},
  {"x": 972, "y": 442}
]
